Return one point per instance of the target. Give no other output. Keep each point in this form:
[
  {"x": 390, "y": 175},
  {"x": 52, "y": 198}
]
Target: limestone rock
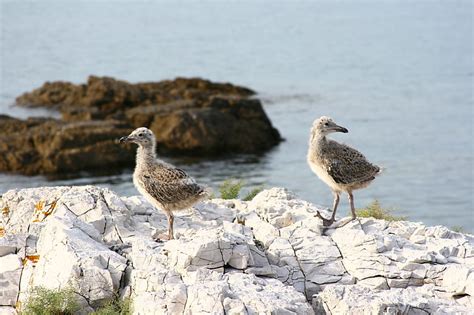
[
  {"x": 340, "y": 299},
  {"x": 459, "y": 280},
  {"x": 269, "y": 255},
  {"x": 6, "y": 310},
  {"x": 10, "y": 272}
]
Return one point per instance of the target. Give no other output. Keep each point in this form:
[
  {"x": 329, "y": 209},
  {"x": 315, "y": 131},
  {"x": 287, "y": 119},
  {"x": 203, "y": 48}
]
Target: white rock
[
  {"x": 206, "y": 296},
  {"x": 11, "y": 244},
  {"x": 239, "y": 258},
  {"x": 379, "y": 283},
  {"x": 234, "y": 306},
  {"x": 458, "y": 279},
  {"x": 69, "y": 257},
  {"x": 274, "y": 261},
  {"x": 354, "y": 299},
  {"x": 263, "y": 231},
  {"x": 6, "y": 310},
  {"x": 268, "y": 296},
  {"x": 206, "y": 249},
  {"x": 10, "y": 272}
]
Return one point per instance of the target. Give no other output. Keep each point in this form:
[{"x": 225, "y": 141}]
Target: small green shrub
[
  {"x": 116, "y": 306},
  {"x": 230, "y": 188},
  {"x": 252, "y": 193},
  {"x": 44, "y": 301},
  {"x": 458, "y": 228},
  {"x": 374, "y": 210}
]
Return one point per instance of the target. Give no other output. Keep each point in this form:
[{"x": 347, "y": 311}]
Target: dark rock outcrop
[
  {"x": 188, "y": 116},
  {"x": 192, "y": 116},
  {"x": 49, "y": 146},
  {"x": 222, "y": 124},
  {"x": 105, "y": 97}
]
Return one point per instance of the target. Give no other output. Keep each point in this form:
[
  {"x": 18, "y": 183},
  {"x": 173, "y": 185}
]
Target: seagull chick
[
  {"x": 341, "y": 167},
  {"x": 163, "y": 185}
]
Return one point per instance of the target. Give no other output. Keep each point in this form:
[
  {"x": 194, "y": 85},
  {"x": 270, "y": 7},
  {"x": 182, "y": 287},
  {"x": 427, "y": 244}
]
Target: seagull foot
[
  {"x": 163, "y": 237},
  {"x": 326, "y": 222}
]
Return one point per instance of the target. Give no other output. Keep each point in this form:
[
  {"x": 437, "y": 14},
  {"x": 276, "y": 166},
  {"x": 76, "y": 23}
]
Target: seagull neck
[
  {"x": 318, "y": 139},
  {"x": 146, "y": 153}
]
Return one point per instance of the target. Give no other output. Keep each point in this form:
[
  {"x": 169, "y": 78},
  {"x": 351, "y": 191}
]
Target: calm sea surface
[{"x": 397, "y": 74}]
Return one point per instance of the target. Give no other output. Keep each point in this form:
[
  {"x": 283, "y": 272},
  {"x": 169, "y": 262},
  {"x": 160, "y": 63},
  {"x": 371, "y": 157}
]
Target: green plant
[
  {"x": 458, "y": 228},
  {"x": 252, "y": 193},
  {"x": 116, "y": 306},
  {"x": 374, "y": 210},
  {"x": 44, "y": 301},
  {"x": 230, "y": 188}
]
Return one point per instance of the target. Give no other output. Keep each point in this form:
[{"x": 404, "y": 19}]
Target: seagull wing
[
  {"x": 346, "y": 165},
  {"x": 169, "y": 184}
]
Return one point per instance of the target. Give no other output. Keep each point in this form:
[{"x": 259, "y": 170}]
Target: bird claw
[
  {"x": 163, "y": 237},
  {"x": 326, "y": 222}
]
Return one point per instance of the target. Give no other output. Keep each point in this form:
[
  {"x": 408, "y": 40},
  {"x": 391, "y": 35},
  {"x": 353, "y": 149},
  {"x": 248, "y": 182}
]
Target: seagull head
[
  {"x": 325, "y": 125},
  {"x": 141, "y": 136}
]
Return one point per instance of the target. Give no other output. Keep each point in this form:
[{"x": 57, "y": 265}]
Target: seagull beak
[
  {"x": 341, "y": 129},
  {"x": 124, "y": 140},
  {"x": 336, "y": 128}
]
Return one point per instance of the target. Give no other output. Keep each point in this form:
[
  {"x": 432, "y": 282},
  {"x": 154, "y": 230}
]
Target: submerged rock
[
  {"x": 268, "y": 256},
  {"x": 187, "y": 115}
]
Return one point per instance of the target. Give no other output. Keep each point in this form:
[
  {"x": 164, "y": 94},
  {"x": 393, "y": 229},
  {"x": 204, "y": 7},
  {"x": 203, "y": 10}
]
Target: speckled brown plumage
[
  {"x": 171, "y": 187},
  {"x": 341, "y": 167},
  {"x": 163, "y": 185},
  {"x": 346, "y": 165}
]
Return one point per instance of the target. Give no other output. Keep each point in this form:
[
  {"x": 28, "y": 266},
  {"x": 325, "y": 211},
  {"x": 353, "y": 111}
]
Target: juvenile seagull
[
  {"x": 341, "y": 167},
  {"x": 163, "y": 185}
]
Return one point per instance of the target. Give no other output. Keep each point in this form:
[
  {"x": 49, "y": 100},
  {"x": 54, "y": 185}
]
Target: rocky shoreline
[
  {"x": 188, "y": 116},
  {"x": 268, "y": 255}
]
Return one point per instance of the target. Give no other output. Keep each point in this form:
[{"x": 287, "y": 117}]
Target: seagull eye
[
  {"x": 326, "y": 124},
  {"x": 140, "y": 134}
]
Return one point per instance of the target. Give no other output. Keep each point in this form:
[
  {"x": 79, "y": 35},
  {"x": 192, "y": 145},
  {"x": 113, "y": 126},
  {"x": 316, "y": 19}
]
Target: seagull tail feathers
[{"x": 382, "y": 169}]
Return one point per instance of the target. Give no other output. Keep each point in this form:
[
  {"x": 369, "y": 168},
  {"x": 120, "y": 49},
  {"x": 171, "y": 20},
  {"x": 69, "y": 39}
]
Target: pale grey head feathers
[
  {"x": 325, "y": 125},
  {"x": 141, "y": 136}
]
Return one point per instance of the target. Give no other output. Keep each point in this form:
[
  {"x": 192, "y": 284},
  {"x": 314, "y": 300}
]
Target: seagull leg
[
  {"x": 169, "y": 235},
  {"x": 327, "y": 222},
  {"x": 351, "y": 201},
  {"x": 170, "y": 226}
]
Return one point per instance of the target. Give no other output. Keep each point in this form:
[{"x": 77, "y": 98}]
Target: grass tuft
[
  {"x": 44, "y": 301},
  {"x": 374, "y": 210},
  {"x": 458, "y": 228},
  {"x": 230, "y": 188},
  {"x": 252, "y": 193},
  {"x": 116, "y": 306}
]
